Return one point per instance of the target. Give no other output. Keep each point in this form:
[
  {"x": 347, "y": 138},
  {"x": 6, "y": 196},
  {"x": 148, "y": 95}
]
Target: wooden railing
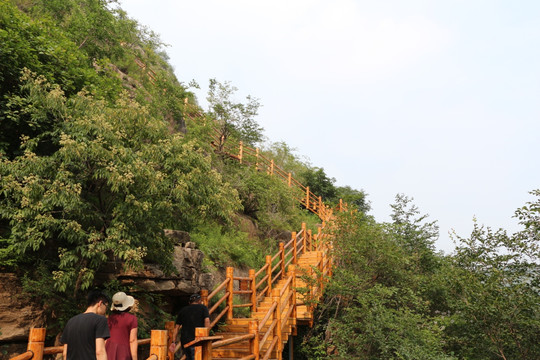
[
  {"x": 253, "y": 157},
  {"x": 260, "y": 283},
  {"x": 36, "y": 345},
  {"x": 266, "y": 334}
]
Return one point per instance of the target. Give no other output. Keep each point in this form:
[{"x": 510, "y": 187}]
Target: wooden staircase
[{"x": 276, "y": 316}]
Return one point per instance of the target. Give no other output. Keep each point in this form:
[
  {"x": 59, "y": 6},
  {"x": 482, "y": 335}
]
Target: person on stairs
[
  {"x": 190, "y": 317},
  {"x": 84, "y": 335},
  {"x": 122, "y": 345}
]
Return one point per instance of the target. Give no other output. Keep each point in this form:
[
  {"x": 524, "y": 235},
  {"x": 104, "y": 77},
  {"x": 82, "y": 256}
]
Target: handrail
[
  {"x": 143, "y": 341},
  {"x": 36, "y": 349},
  {"x": 218, "y": 303},
  {"x": 221, "y": 286},
  {"x": 29, "y": 354},
  {"x": 268, "y": 333},
  {"x": 285, "y": 286},
  {"x": 249, "y": 156},
  {"x": 219, "y": 317},
  {"x": 267, "y": 316},
  {"x": 261, "y": 270},
  {"x": 289, "y": 312},
  {"x": 270, "y": 348},
  {"x": 233, "y": 340},
  {"x": 55, "y": 350}
]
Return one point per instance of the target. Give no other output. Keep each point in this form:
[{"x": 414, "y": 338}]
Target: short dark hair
[
  {"x": 96, "y": 296},
  {"x": 194, "y": 298}
]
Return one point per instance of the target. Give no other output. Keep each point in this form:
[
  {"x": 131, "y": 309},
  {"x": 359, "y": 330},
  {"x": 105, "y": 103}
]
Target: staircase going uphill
[{"x": 278, "y": 297}]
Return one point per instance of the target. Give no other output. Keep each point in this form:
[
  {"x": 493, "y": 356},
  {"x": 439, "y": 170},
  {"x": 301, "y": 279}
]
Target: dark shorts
[{"x": 190, "y": 353}]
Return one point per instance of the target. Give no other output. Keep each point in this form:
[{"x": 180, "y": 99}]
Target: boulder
[{"x": 17, "y": 313}]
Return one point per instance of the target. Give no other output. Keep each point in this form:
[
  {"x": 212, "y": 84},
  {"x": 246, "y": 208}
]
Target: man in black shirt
[
  {"x": 85, "y": 334},
  {"x": 190, "y": 317}
]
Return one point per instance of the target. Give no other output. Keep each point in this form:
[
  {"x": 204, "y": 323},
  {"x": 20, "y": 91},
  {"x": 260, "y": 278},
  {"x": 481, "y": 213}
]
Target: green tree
[
  {"x": 373, "y": 308},
  {"x": 286, "y": 158},
  {"x": 356, "y": 199},
  {"x": 264, "y": 198},
  {"x": 319, "y": 183},
  {"x": 414, "y": 233},
  {"x": 495, "y": 292},
  {"x": 234, "y": 119},
  {"x": 116, "y": 181},
  {"x": 38, "y": 45}
]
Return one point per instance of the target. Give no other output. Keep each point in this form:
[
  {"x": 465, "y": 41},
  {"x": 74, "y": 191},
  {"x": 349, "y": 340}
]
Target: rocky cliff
[{"x": 18, "y": 315}]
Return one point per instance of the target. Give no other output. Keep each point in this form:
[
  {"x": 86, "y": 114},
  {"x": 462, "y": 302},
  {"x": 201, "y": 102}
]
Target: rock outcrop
[{"x": 18, "y": 314}]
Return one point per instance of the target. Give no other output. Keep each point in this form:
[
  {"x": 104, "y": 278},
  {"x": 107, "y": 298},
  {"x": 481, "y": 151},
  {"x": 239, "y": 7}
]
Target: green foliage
[
  {"x": 319, "y": 183},
  {"x": 356, "y": 199},
  {"x": 413, "y": 232},
  {"x": 223, "y": 247},
  {"x": 393, "y": 297},
  {"x": 265, "y": 198},
  {"x": 116, "y": 181},
  {"x": 286, "y": 158},
  {"x": 373, "y": 306},
  {"x": 496, "y": 289},
  {"x": 234, "y": 119},
  {"x": 40, "y": 46}
]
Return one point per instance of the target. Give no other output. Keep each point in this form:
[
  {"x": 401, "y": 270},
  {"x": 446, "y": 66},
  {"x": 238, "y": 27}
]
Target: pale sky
[{"x": 438, "y": 100}]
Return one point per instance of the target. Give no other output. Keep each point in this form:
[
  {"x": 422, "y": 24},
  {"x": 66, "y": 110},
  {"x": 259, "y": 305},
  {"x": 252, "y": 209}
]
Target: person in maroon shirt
[{"x": 122, "y": 345}]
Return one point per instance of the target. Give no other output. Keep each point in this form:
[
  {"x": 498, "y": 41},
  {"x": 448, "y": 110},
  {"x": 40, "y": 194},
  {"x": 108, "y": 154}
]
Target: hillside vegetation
[{"x": 102, "y": 148}]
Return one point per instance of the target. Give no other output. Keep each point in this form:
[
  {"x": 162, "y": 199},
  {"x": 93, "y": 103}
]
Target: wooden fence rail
[
  {"x": 253, "y": 157},
  {"x": 36, "y": 345}
]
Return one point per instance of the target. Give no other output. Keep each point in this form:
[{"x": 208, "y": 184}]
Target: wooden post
[
  {"x": 319, "y": 238},
  {"x": 320, "y": 206},
  {"x": 36, "y": 342},
  {"x": 292, "y": 273},
  {"x": 158, "y": 344},
  {"x": 257, "y": 159},
  {"x": 320, "y": 260},
  {"x": 203, "y": 351},
  {"x": 169, "y": 326},
  {"x": 253, "y": 327},
  {"x": 204, "y": 297},
  {"x": 340, "y": 205},
  {"x": 253, "y": 284},
  {"x": 289, "y": 180},
  {"x": 295, "y": 247},
  {"x": 310, "y": 240},
  {"x": 241, "y": 151},
  {"x": 269, "y": 274},
  {"x": 311, "y": 293},
  {"x": 277, "y": 316},
  {"x": 307, "y": 197},
  {"x": 230, "y": 290},
  {"x": 272, "y": 167},
  {"x": 304, "y": 237},
  {"x": 330, "y": 263},
  {"x": 282, "y": 259}
]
